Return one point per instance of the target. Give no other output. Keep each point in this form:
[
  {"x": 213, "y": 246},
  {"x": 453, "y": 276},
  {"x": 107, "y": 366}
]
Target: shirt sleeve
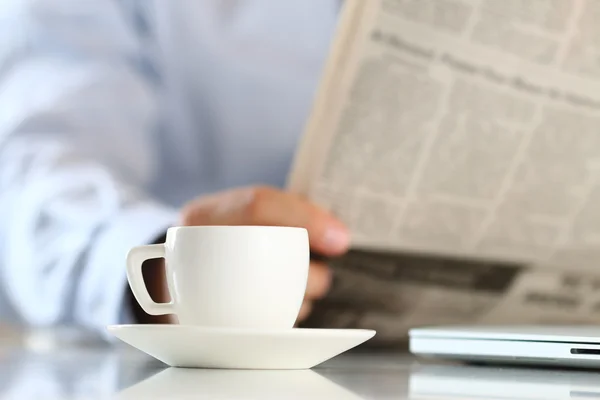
[{"x": 77, "y": 111}]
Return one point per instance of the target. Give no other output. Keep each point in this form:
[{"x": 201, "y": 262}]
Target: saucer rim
[{"x": 252, "y": 331}]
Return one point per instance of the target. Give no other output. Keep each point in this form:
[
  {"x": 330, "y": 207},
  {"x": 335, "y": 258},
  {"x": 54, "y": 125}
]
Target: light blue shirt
[{"x": 113, "y": 113}]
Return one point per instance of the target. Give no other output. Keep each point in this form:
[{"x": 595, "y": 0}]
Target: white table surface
[{"x": 63, "y": 365}]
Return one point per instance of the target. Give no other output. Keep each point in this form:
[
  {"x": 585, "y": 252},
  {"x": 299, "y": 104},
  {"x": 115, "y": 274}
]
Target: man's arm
[{"x": 75, "y": 115}]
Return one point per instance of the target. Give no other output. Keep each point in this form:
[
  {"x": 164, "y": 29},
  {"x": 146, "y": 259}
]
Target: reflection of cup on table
[
  {"x": 228, "y": 276},
  {"x": 175, "y": 383}
]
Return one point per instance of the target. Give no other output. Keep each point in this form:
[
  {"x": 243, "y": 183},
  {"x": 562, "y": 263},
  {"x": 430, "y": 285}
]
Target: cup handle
[{"x": 135, "y": 259}]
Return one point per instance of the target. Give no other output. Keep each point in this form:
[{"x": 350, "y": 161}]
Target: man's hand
[{"x": 269, "y": 206}]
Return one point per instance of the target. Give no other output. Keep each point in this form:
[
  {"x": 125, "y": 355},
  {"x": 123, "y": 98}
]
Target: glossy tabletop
[{"x": 69, "y": 365}]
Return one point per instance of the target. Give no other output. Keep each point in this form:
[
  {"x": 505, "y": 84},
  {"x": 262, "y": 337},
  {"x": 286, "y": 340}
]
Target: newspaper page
[{"x": 461, "y": 145}]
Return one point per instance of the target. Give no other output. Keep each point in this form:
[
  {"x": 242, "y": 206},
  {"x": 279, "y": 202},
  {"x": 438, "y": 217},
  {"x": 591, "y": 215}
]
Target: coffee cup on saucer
[
  {"x": 236, "y": 292},
  {"x": 228, "y": 276}
]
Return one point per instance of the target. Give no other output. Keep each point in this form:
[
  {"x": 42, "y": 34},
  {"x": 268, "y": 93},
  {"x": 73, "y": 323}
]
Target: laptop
[{"x": 560, "y": 346}]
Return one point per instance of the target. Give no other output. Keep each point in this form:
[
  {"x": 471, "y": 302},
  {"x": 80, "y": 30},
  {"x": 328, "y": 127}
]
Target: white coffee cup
[{"x": 228, "y": 276}]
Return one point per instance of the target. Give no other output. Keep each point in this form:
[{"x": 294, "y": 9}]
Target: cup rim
[{"x": 236, "y": 227}]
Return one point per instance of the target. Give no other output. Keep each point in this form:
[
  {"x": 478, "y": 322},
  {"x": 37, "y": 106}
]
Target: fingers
[
  {"x": 328, "y": 236},
  {"x": 305, "y": 311},
  {"x": 269, "y": 206},
  {"x": 319, "y": 281}
]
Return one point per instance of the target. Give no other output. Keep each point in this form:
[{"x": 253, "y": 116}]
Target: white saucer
[{"x": 198, "y": 347}]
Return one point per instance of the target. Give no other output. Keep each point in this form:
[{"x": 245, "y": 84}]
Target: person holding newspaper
[{"x": 119, "y": 119}]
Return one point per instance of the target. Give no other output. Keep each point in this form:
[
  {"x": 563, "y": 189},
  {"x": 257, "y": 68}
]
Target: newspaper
[{"x": 460, "y": 142}]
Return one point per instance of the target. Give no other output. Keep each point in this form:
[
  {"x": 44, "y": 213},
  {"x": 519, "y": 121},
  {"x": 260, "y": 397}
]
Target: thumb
[{"x": 328, "y": 235}]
